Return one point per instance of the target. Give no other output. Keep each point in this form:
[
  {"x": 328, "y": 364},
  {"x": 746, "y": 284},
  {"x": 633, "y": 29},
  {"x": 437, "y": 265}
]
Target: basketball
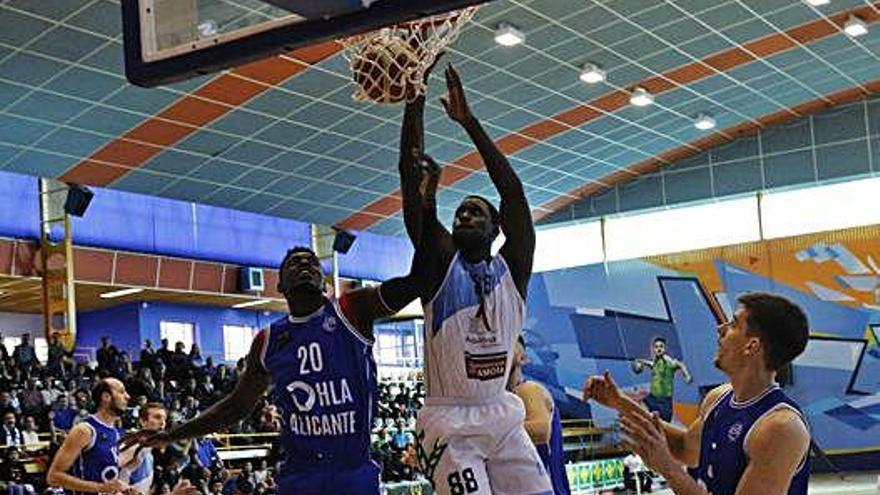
[{"x": 383, "y": 71}]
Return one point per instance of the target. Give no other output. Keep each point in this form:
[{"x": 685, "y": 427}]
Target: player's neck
[
  {"x": 515, "y": 379},
  {"x": 106, "y": 417},
  {"x": 477, "y": 255},
  {"x": 305, "y": 303},
  {"x": 751, "y": 382}
]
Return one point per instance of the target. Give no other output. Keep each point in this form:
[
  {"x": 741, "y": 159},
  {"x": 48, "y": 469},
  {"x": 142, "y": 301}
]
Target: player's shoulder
[
  {"x": 535, "y": 390},
  {"x": 713, "y": 396},
  {"x": 783, "y": 426}
]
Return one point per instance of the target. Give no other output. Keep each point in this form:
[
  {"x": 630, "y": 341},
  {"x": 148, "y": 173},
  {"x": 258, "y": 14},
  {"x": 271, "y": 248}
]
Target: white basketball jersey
[{"x": 464, "y": 358}]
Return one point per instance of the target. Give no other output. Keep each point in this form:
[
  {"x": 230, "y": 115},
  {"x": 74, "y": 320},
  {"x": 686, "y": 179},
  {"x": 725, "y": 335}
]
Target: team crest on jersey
[
  {"x": 329, "y": 324},
  {"x": 735, "y": 431}
]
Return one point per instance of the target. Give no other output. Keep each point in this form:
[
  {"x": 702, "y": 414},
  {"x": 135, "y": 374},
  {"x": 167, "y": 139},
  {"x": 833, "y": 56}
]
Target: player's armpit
[{"x": 776, "y": 449}]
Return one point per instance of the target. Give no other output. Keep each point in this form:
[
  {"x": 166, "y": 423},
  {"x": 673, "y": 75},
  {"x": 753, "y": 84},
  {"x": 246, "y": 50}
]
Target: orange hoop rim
[{"x": 434, "y": 20}]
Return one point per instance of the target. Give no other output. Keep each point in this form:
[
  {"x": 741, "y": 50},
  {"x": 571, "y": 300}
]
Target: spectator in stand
[
  {"x": 57, "y": 360},
  {"x": 4, "y": 352},
  {"x": 122, "y": 367},
  {"x": 261, "y": 475},
  {"x": 209, "y": 370},
  {"x": 10, "y": 435},
  {"x": 24, "y": 354},
  {"x": 180, "y": 362},
  {"x": 106, "y": 354},
  {"x": 401, "y": 438},
  {"x": 12, "y": 471},
  {"x": 205, "y": 391},
  {"x": 6, "y": 404},
  {"x": 51, "y": 392},
  {"x": 195, "y": 355},
  {"x": 206, "y": 454},
  {"x": 148, "y": 355},
  {"x": 31, "y": 399},
  {"x": 164, "y": 353},
  {"x": 29, "y": 434},
  {"x": 61, "y": 417}
]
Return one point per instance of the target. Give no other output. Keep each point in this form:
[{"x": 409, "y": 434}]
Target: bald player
[{"x": 88, "y": 460}]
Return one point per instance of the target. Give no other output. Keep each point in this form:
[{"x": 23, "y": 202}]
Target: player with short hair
[
  {"x": 750, "y": 438},
  {"x": 543, "y": 422},
  {"x": 663, "y": 368},
  {"x": 88, "y": 460},
  {"x": 319, "y": 359},
  {"x": 471, "y": 436}
]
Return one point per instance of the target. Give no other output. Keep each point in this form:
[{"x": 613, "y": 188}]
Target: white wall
[{"x": 15, "y": 324}]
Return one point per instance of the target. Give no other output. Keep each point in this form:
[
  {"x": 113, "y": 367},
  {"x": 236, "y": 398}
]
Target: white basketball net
[{"x": 411, "y": 48}]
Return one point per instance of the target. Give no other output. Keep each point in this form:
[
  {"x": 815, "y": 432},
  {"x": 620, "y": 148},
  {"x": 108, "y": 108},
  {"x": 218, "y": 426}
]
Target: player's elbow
[{"x": 53, "y": 477}]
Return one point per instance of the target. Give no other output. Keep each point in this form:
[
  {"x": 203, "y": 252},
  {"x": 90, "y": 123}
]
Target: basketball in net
[{"x": 388, "y": 65}]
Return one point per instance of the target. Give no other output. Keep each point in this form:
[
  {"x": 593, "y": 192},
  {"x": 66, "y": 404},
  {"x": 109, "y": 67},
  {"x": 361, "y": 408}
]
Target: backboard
[{"x": 173, "y": 40}]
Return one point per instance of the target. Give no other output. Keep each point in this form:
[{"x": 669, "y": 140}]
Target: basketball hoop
[{"x": 388, "y": 65}]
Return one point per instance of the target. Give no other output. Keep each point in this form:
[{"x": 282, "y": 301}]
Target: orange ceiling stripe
[
  {"x": 707, "y": 142},
  {"x": 616, "y": 100},
  {"x": 185, "y": 116}
]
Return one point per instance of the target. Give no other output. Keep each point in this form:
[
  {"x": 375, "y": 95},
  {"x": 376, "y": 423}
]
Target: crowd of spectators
[{"x": 40, "y": 403}]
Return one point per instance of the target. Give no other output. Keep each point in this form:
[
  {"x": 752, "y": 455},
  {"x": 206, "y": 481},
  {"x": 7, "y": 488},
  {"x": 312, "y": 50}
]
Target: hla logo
[{"x": 327, "y": 393}]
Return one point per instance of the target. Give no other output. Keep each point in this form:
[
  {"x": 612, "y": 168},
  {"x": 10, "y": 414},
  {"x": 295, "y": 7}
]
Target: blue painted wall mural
[{"x": 589, "y": 319}]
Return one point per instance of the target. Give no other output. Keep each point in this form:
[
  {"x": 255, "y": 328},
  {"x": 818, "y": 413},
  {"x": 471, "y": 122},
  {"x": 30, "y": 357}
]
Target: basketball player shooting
[
  {"x": 471, "y": 435},
  {"x": 320, "y": 361}
]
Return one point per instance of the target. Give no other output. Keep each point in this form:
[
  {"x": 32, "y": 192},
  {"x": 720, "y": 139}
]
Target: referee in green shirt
[{"x": 663, "y": 368}]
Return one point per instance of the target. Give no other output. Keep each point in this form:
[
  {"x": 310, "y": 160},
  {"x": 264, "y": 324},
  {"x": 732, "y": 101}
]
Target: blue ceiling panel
[
  {"x": 250, "y": 152},
  {"x": 67, "y": 44},
  {"x": 86, "y": 84},
  {"x": 218, "y": 172},
  {"x": 73, "y": 142},
  {"x": 39, "y": 163},
  {"x": 99, "y": 17}
]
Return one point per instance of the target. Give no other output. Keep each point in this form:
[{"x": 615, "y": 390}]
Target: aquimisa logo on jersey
[{"x": 329, "y": 324}]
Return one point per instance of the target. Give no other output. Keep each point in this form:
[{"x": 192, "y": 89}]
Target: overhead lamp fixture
[
  {"x": 248, "y": 304},
  {"x": 640, "y": 97},
  {"x": 507, "y": 35},
  {"x": 704, "y": 122},
  {"x": 855, "y": 26},
  {"x": 818, "y": 3},
  {"x": 592, "y": 74},
  {"x": 120, "y": 293}
]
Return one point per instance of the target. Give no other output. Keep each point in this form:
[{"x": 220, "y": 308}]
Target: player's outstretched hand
[
  {"x": 603, "y": 390},
  {"x": 430, "y": 68},
  {"x": 455, "y": 101},
  {"x": 145, "y": 438},
  {"x": 184, "y": 487}
]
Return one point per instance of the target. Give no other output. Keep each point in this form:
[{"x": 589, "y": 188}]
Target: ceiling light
[
  {"x": 641, "y": 98},
  {"x": 248, "y": 304},
  {"x": 508, "y": 35},
  {"x": 855, "y": 26},
  {"x": 704, "y": 122},
  {"x": 818, "y": 3},
  {"x": 592, "y": 74},
  {"x": 120, "y": 293}
]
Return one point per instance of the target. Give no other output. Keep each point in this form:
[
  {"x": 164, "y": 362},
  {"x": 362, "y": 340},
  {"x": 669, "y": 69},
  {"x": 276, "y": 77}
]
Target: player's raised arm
[
  {"x": 411, "y": 147},
  {"x": 516, "y": 218},
  {"x": 234, "y": 407}
]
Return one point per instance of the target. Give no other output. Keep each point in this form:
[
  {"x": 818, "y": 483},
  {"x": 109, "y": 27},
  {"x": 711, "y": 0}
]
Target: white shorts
[{"x": 481, "y": 448}]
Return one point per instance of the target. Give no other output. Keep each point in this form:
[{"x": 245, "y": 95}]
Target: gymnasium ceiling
[{"x": 284, "y": 138}]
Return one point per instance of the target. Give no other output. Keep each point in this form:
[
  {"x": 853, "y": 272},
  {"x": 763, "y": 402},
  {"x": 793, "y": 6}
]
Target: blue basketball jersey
[
  {"x": 325, "y": 386},
  {"x": 99, "y": 462},
  {"x": 140, "y": 475},
  {"x": 553, "y": 457},
  {"x": 726, "y": 429}
]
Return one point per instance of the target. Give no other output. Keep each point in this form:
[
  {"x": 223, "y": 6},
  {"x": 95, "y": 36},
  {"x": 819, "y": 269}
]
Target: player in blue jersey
[
  {"x": 750, "y": 438},
  {"x": 543, "y": 423},
  {"x": 88, "y": 461},
  {"x": 320, "y": 361}
]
